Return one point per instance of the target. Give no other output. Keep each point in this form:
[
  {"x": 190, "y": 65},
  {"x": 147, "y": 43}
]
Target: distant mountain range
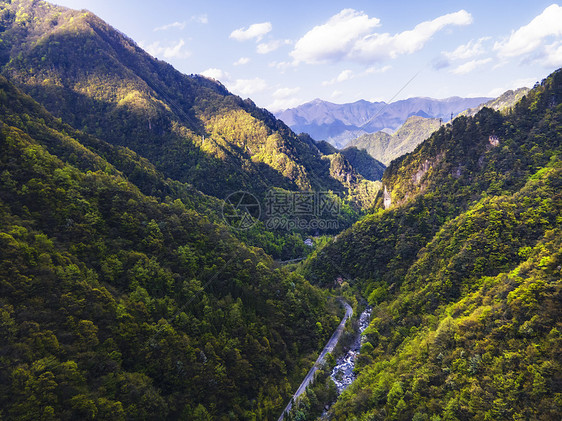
[
  {"x": 339, "y": 123},
  {"x": 385, "y": 147}
]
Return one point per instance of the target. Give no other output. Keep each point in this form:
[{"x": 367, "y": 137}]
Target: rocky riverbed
[{"x": 343, "y": 374}]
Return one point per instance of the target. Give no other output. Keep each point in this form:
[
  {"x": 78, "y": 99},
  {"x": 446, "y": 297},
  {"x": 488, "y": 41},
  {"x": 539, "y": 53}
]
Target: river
[
  {"x": 321, "y": 358},
  {"x": 343, "y": 374}
]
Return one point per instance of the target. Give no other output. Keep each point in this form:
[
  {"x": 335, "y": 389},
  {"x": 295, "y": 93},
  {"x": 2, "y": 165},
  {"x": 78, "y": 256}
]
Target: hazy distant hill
[
  {"x": 386, "y": 147},
  {"x": 505, "y": 101},
  {"x": 339, "y": 123}
]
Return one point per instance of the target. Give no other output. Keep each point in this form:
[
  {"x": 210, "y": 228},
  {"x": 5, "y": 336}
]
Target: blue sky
[{"x": 282, "y": 54}]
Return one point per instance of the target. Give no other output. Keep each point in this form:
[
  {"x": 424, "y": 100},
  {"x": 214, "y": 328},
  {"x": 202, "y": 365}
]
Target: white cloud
[
  {"x": 376, "y": 69},
  {"x": 336, "y": 94},
  {"x": 348, "y": 74},
  {"x": 286, "y": 92},
  {"x": 470, "y": 66},
  {"x": 174, "y": 25},
  {"x": 181, "y": 25},
  {"x": 241, "y": 61},
  {"x": 280, "y": 104},
  {"x": 334, "y": 39},
  {"x": 176, "y": 51},
  {"x": 268, "y": 47},
  {"x": 468, "y": 50},
  {"x": 239, "y": 86},
  {"x": 554, "y": 54},
  {"x": 349, "y": 36},
  {"x": 379, "y": 46},
  {"x": 216, "y": 74},
  {"x": 204, "y": 19},
  {"x": 172, "y": 51},
  {"x": 247, "y": 86},
  {"x": 256, "y": 30},
  {"x": 531, "y": 37},
  {"x": 282, "y": 65},
  {"x": 343, "y": 76},
  {"x": 285, "y": 98}
]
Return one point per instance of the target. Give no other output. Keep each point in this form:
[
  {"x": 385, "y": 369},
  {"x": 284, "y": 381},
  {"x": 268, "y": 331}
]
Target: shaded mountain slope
[
  {"x": 364, "y": 163},
  {"x": 361, "y": 161},
  {"x": 190, "y": 127},
  {"x": 118, "y": 305}
]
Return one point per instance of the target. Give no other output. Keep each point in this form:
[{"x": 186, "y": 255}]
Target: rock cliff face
[
  {"x": 417, "y": 177},
  {"x": 494, "y": 141},
  {"x": 387, "y": 198}
]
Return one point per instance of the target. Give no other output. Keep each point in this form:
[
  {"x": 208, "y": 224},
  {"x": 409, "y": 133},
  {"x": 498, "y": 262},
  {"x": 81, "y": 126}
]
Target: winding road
[{"x": 321, "y": 358}]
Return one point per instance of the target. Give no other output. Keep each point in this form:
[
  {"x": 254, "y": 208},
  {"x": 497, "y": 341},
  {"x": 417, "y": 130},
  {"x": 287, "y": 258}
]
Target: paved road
[{"x": 320, "y": 360}]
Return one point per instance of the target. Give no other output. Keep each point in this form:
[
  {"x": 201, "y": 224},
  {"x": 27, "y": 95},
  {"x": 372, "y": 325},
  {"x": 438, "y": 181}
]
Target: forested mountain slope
[
  {"x": 464, "y": 268},
  {"x": 118, "y": 305},
  {"x": 124, "y": 296},
  {"x": 451, "y": 170},
  {"x": 364, "y": 163},
  {"x": 191, "y": 128}
]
